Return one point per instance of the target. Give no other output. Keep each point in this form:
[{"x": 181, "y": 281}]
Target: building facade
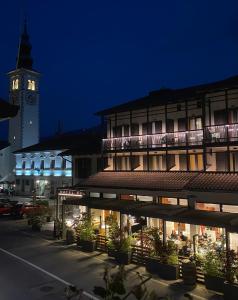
[
  {"x": 170, "y": 158},
  {"x": 46, "y": 166}
]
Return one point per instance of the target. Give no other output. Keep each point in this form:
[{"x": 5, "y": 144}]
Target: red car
[
  {"x": 5, "y": 209},
  {"x": 21, "y": 210}
]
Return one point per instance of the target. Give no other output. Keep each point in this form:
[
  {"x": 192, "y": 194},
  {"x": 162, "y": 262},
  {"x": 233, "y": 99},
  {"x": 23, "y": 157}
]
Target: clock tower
[{"x": 24, "y": 91}]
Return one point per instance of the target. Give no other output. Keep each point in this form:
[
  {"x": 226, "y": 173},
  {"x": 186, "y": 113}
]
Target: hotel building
[{"x": 171, "y": 159}]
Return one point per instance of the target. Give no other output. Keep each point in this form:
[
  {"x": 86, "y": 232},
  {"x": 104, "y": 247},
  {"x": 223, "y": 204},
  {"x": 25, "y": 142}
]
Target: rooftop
[
  {"x": 164, "y": 181},
  {"x": 81, "y": 141},
  {"x": 7, "y": 110},
  {"x": 166, "y": 96}
]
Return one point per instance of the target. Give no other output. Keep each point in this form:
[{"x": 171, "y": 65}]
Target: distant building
[
  {"x": 48, "y": 165},
  {"x": 7, "y": 111}
]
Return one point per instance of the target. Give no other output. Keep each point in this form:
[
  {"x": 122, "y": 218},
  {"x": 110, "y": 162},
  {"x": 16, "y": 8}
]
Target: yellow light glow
[
  {"x": 15, "y": 84},
  {"x": 31, "y": 85}
]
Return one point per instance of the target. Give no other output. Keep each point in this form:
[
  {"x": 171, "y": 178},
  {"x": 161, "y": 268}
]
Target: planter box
[
  {"x": 48, "y": 219},
  {"x": 111, "y": 252},
  {"x": 213, "y": 283},
  {"x": 36, "y": 227},
  {"x": 165, "y": 271},
  {"x": 189, "y": 273},
  {"x": 122, "y": 258},
  {"x": 87, "y": 246},
  {"x": 230, "y": 291},
  {"x": 70, "y": 237}
]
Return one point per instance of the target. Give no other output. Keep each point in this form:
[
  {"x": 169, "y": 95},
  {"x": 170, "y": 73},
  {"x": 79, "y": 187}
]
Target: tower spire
[{"x": 24, "y": 59}]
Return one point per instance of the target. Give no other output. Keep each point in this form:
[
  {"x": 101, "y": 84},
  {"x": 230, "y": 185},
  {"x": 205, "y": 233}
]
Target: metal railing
[{"x": 210, "y": 134}]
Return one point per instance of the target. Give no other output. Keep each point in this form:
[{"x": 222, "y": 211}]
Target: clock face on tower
[{"x": 31, "y": 99}]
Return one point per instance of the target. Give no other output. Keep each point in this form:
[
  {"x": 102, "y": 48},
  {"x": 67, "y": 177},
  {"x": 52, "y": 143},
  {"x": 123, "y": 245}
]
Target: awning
[
  {"x": 123, "y": 206},
  {"x": 175, "y": 213},
  {"x": 190, "y": 216}
]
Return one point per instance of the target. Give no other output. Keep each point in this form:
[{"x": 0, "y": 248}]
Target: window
[
  {"x": 52, "y": 164},
  {"x": 33, "y": 164},
  {"x": 63, "y": 163},
  {"x": 102, "y": 163},
  {"x": 195, "y": 123},
  {"x": 147, "y": 128},
  {"x": 221, "y": 161},
  {"x": 15, "y": 84},
  {"x": 126, "y": 130},
  {"x": 31, "y": 85},
  {"x": 42, "y": 165},
  {"x": 195, "y": 162},
  {"x": 23, "y": 165},
  {"x": 134, "y": 129},
  {"x": 158, "y": 126},
  {"x": 135, "y": 162},
  {"x": 82, "y": 167}
]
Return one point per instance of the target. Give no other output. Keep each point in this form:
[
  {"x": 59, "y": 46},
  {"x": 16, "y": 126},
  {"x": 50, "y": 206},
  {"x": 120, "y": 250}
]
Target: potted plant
[
  {"x": 70, "y": 236},
  {"x": 49, "y": 214},
  {"x": 36, "y": 223},
  {"x": 213, "y": 271},
  {"x": 163, "y": 259},
  {"x": 231, "y": 275},
  {"x": 113, "y": 237},
  {"x": 86, "y": 237},
  {"x": 36, "y": 218},
  {"x": 123, "y": 251}
]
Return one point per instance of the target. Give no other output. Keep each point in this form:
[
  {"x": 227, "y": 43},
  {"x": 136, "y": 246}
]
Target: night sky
[{"x": 95, "y": 54}]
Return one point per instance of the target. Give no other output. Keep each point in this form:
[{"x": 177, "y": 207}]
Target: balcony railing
[
  {"x": 174, "y": 139},
  {"x": 221, "y": 133},
  {"x": 211, "y": 134}
]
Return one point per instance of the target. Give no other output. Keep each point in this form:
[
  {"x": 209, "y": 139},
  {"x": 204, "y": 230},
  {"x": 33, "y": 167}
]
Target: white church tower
[{"x": 24, "y": 91}]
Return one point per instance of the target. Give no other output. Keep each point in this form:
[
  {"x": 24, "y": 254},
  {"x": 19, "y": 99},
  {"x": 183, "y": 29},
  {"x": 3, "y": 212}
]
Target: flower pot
[
  {"x": 70, "y": 237},
  {"x": 189, "y": 273},
  {"x": 165, "y": 271},
  {"x": 87, "y": 246},
  {"x": 122, "y": 258},
  {"x": 214, "y": 283},
  {"x": 230, "y": 291}
]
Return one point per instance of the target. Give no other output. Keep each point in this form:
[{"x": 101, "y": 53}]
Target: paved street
[{"x": 49, "y": 265}]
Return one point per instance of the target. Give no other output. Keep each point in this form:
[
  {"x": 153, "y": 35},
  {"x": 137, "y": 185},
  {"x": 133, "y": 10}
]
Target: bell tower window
[
  {"x": 31, "y": 85},
  {"x": 15, "y": 84}
]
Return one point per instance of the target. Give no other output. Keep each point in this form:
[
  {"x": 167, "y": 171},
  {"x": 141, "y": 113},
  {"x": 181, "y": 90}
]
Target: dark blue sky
[{"x": 94, "y": 54}]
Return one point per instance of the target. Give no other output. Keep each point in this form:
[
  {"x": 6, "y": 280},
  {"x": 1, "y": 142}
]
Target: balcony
[
  {"x": 221, "y": 134},
  {"x": 212, "y": 135},
  {"x": 164, "y": 140}
]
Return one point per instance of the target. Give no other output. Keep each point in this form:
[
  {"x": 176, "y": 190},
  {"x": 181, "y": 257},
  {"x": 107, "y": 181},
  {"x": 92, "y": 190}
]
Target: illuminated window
[
  {"x": 15, "y": 84},
  {"x": 31, "y": 85}
]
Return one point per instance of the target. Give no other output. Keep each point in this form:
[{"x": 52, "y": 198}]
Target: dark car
[
  {"x": 5, "y": 209},
  {"x": 22, "y": 210}
]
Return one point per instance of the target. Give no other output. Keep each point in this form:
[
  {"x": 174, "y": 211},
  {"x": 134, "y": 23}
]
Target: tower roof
[{"x": 24, "y": 59}]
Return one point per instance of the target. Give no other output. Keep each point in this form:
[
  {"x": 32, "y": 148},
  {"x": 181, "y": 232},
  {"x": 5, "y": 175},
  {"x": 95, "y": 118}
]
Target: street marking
[{"x": 45, "y": 272}]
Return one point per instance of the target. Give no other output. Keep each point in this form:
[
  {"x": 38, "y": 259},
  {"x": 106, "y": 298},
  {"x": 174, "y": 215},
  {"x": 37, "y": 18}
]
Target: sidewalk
[{"x": 77, "y": 259}]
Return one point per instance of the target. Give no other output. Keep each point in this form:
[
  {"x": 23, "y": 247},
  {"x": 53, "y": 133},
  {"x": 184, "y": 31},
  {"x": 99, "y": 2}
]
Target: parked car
[
  {"x": 21, "y": 210},
  {"x": 5, "y": 209}
]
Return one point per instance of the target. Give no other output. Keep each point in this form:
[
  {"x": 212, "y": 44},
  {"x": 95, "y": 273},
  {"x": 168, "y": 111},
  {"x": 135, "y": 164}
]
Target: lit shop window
[
  {"x": 31, "y": 85},
  {"x": 15, "y": 84}
]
